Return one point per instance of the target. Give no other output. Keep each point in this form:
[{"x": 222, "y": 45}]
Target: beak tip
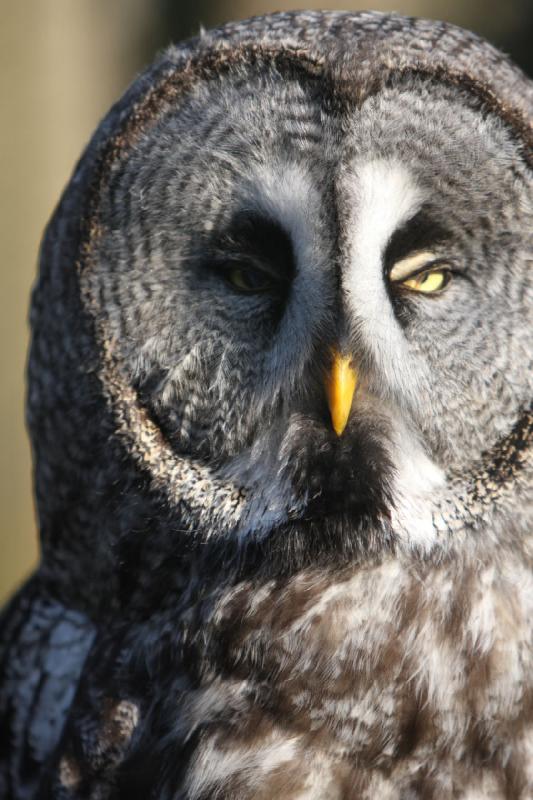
[
  {"x": 339, "y": 426},
  {"x": 340, "y": 387}
]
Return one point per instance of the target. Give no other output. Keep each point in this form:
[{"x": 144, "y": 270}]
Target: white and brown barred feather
[{"x": 193, "y": 632}]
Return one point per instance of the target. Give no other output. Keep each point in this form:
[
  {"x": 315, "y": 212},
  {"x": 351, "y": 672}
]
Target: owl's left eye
[
  {"x": 249, "y": 280},
  {"x": 421, "y": 272},
  {"x": 429, "y": 281}
]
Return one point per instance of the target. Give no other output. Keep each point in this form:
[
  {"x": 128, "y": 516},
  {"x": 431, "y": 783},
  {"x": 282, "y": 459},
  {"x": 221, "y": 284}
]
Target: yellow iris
[
  {"x": 249, "y": 280},
  {"x": 427, "y": 282},
  {"x": 238, "y": 279}
]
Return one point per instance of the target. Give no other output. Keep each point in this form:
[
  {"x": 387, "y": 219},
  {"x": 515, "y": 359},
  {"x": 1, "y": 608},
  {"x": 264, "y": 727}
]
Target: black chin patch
[
  {"x": 342, "y": 486},
  {"x": 335, "y": 476},
  {"x": 329, "y": 542}
]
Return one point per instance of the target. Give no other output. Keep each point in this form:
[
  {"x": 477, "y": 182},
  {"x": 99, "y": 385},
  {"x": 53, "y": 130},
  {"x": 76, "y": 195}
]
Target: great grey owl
[{"x": 279, "y": 397}]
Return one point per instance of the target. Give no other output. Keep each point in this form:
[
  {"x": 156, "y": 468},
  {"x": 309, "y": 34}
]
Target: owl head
[{"x": 285, "y": 304}]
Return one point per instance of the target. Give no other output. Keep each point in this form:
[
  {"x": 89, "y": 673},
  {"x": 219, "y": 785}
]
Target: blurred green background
[{"x": 63, "y": 62}]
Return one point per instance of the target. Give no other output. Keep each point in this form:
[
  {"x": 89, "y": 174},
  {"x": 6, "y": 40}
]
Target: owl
[{"x": 279, "y": 396}]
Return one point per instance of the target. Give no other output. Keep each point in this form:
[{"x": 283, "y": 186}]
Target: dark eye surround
[
  {"x": 430, "y": 277},
  {"x": 421, "y": 232},
  {"x": 254, "y": 256}
]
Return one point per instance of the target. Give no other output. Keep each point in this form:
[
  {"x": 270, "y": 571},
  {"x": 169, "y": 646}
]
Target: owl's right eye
[
  {"x": 249, "y": 280},
  {"x": 253, "y": 256}
]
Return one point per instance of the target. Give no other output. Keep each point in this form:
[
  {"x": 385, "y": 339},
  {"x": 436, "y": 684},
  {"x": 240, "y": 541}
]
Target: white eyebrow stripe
[
  {"x": 382, "y": 195},
  {"x": 404, "y": 268},
  {"x": 386, "y": 198}
]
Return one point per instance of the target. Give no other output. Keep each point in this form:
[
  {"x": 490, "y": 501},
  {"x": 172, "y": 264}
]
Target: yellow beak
[{"x": 340, "y": 387}]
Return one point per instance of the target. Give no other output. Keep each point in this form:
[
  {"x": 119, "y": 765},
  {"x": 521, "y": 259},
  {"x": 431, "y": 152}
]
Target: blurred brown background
[{"x": 63, "y": 62}]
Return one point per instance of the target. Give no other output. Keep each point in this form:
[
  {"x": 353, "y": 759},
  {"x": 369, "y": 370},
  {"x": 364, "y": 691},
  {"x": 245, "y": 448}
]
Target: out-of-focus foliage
[{"x": 62, "y": 64}]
